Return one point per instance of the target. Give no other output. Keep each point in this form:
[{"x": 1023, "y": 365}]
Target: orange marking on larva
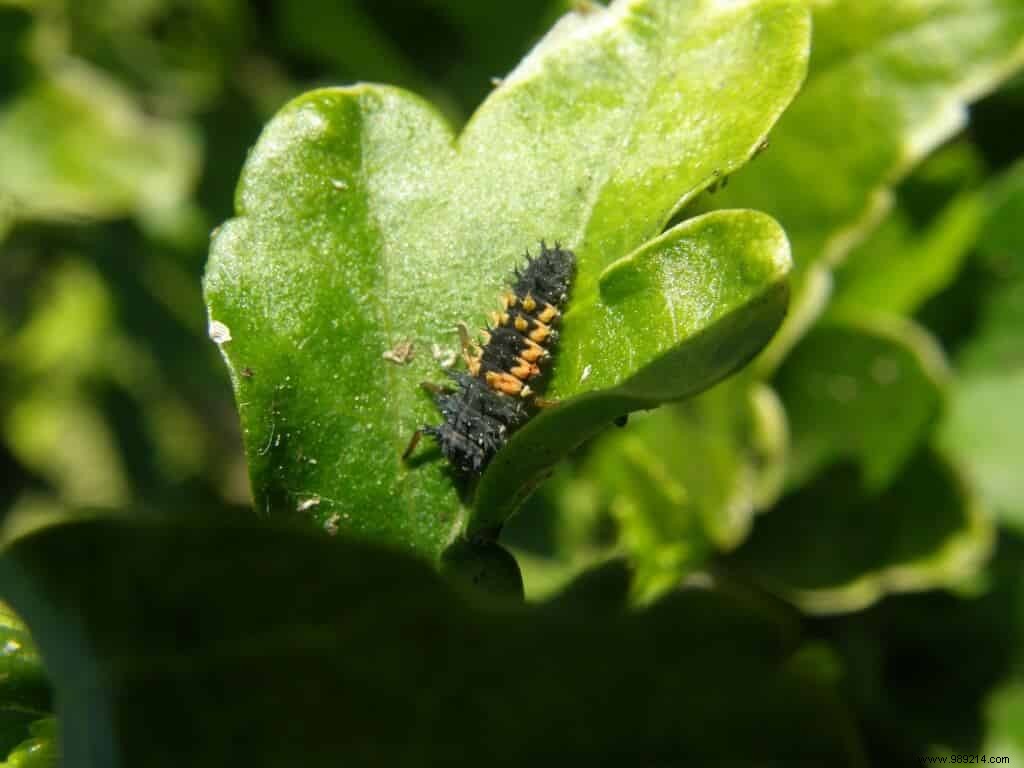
[
  {"x": 547, "y": 314},
  {"x": 521, "y": 323},
  {"x": 534, "y": 369},
  {"x": 524, "y": 370},
  {"x": 521, "y": 372},
  {"x": 503, "y": 320},
  {"x": 540, "y": 333},
  {"x": 532, "y": 354},
  {"x": 504, "y": 382},
  {"x": 530, "y": 344},
  {"x": 529, "y": 303},
  {"x": 508, "y": 299}
]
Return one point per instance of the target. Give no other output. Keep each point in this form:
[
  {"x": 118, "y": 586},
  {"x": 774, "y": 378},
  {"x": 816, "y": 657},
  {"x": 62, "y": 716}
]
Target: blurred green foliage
[{"x": 859, "y": 486}]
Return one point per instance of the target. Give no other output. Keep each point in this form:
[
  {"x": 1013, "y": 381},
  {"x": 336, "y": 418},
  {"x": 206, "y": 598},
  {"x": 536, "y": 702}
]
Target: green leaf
[
  {"x": 686, "y": 480},
  {"x": 846, "y": 545},
  {"x": 888, "y": 83},
  {"x": 184, "y": 645},
  {"x": 74, "y": 143},
  {"x": 561, "y": 532},
  {"x": 717, "y": 285},
  {"x": 50, "y": 423},
  {"x": 178, "y": 54},
  {"x": 921, "y": 669},
  {"x": 24, "y": 689},
  {"x": 1005, "y": 736},
  {"x": 345, "y": 37},
  {"x": 866, "y": 391},
  {"x": 900, "y": 266},
  {"x": 985, "y": 424},
  {"x": 39, "y": 750},
  {"x": 364, "y": 226}
]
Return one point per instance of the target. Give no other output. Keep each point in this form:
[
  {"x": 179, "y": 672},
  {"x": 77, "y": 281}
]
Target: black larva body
[
  {"x": 477, "y": 422},
  {"x": 493, "y": 399}
]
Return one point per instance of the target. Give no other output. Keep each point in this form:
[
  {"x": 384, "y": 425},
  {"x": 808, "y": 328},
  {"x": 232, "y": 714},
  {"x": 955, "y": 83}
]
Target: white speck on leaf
[
  {"x": 331, "y": 524},
  {"x": 444, "y": 356},
  {"x": 586, "y": 373},
  {"x": 219, "y": 333},
  {"x": 309, "y": 503},
  {"x": 339, "y": 184}
]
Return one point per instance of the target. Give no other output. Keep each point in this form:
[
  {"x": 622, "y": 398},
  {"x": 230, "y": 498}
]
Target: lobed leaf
[{"x": 366, "y": 231}]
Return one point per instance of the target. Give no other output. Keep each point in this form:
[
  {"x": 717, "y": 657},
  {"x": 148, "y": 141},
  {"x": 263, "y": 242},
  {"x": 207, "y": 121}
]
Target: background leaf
[
  {"x": 921, "y": 670},
  {"x": 75, "y": 145},
  {"x": 874, "y": 404},
  {"x": 24, "y": 689},
  {"x": 678, "y": 484},
  {"x": 898, "y": 268},
  {"x": 985, "y": 426},
  {"x": 847, "y": 544},
  {"x": 887, "y": 84},
  {"x": 39, "y": 750},
  {"x": 167, "y": 615}
]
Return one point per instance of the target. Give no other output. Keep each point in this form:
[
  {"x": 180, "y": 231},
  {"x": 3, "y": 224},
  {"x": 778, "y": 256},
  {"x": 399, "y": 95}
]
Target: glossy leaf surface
[{"x": 367, "y": 231}]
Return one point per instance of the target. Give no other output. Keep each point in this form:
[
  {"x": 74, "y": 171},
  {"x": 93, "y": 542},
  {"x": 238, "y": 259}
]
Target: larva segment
[
  {"x": 548, "y": 314},
  {"x": 540, "y": 333},
  {"x": 507, "y": 384}
]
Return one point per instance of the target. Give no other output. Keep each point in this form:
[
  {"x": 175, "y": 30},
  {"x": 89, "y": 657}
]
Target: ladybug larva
[{"x": 494, "y": 397}]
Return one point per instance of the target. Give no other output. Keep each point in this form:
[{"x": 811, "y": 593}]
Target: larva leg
[
  {"x": 543, "y": 402},
  {"x": 413, "y": 442},
  {"x": 434, "y": 389}
]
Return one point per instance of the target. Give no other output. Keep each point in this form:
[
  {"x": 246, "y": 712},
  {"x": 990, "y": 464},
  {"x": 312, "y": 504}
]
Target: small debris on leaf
[
  {"x": 309, "y": 503},
  {"x": 400, "y": 354},
  {"x": 219, "y": 333}
]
